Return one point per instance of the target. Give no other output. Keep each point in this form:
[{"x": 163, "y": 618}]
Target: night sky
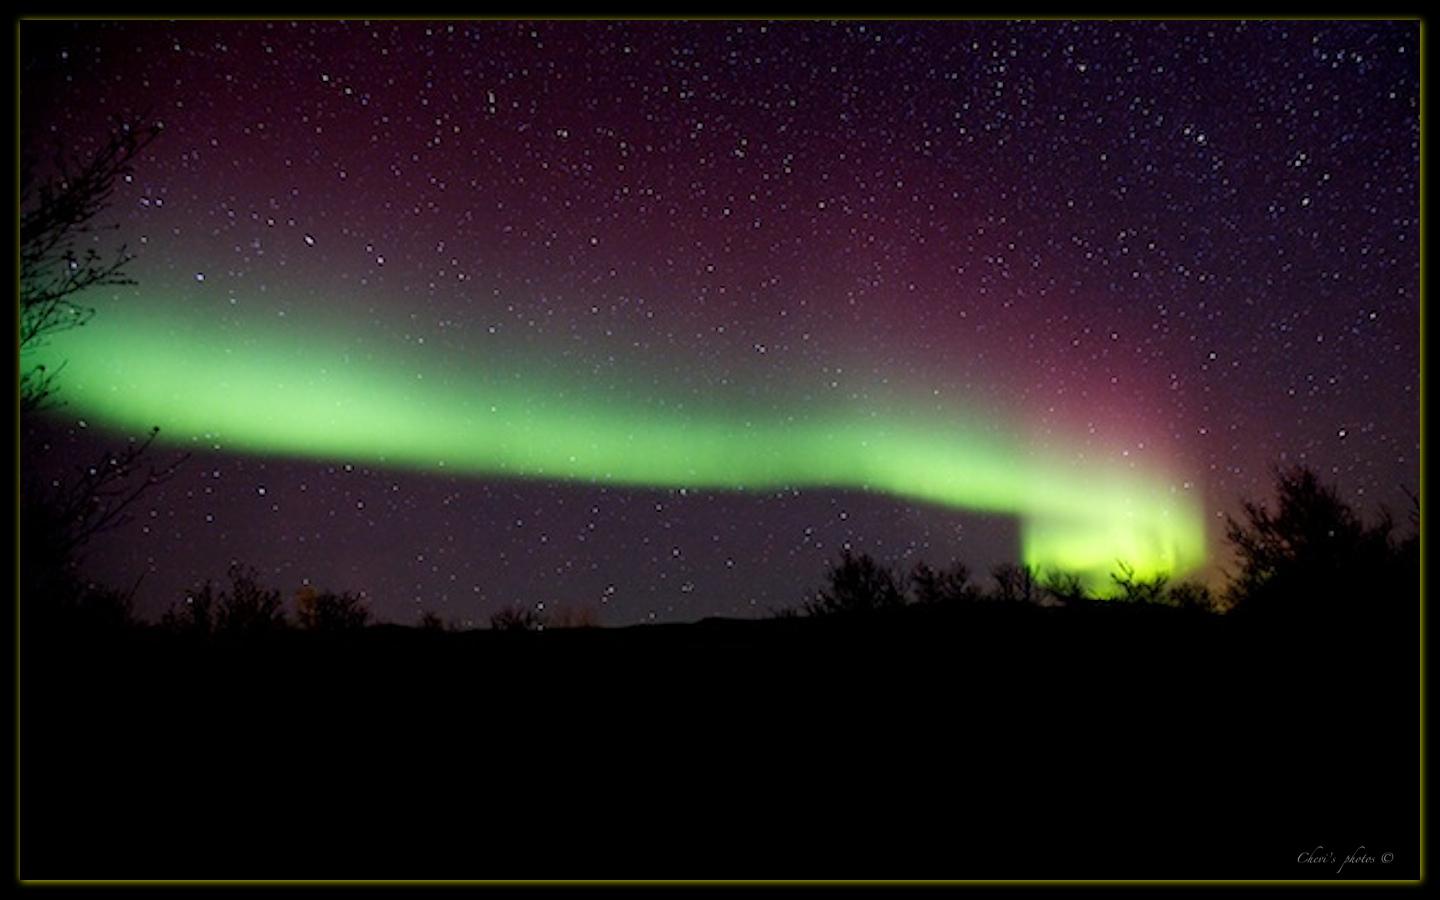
[{"x": 655, "y": 318}]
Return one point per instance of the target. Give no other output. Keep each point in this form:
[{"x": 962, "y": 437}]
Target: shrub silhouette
[
  {"x": 857, "y": 584},
  {"x": 1314, "y": 555},
  {"x": 96, "y": 608},
  {"x": 517, "y": 618},
  {"x": 1193, "y": 595},
  {"x": 1067, "y": 588},
  {"x": 1015, "y": 584},
  {"x": 328, "y": 611},
  {"x": 949, "y": 585},
  {"x": 246, "y": 608},
  {"x": 1139, "y": 590},
  {"x": 194, "y": 615}
]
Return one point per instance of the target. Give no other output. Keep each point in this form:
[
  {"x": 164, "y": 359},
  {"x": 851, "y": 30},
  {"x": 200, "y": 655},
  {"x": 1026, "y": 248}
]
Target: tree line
[{"x": 1312, "y": 555}]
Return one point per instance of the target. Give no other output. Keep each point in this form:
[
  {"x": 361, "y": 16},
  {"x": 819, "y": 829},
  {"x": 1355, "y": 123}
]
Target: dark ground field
[{"x": 981, "y": 742}]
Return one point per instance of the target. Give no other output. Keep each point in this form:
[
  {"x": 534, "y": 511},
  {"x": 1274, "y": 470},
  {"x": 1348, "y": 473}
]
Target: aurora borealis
[
  {"x": 657, "y": 316},
  {"x": 303, "y": 399}
]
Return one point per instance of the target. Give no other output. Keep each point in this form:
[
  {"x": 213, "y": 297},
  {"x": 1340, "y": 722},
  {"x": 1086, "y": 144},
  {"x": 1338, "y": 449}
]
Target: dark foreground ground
[{"x": 980, "y": 743}]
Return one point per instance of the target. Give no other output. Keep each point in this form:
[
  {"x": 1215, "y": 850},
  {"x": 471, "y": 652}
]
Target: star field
[{"x": 1173, "y": 254}]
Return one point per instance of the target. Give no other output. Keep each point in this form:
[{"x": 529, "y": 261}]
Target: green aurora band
[{"x": 328, "y": 392}]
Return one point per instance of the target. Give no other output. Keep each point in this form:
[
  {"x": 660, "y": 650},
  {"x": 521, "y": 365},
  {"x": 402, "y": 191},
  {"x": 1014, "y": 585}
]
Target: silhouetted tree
[
  {"x": 949, "y": 585},
  {"x": 1015, "y": 584},
  {"x": 195, "y": 614},
  {"x": 59, "y": 256},
  {"x": 1314, "y": 555},
  {"x": 517, "y": 618},
  {"x": 245, "y": 608},
  {"x": 1134, "y": 589},
  {"x": 88, "y": 608},
  {"x": 1067, "y": 588},
  {"x": 60, "y": 514},
  {"x": 1193, "y": 595},
  {"x": 329, "y": 611},
  {"x": 857, "y": 584},
  {"x": 248, "y": 607}
]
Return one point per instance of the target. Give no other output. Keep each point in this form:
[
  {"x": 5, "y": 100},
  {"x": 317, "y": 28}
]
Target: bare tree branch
[
  {"x": 100, "y": 498},
  {"x": 59, "y": 252}
]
